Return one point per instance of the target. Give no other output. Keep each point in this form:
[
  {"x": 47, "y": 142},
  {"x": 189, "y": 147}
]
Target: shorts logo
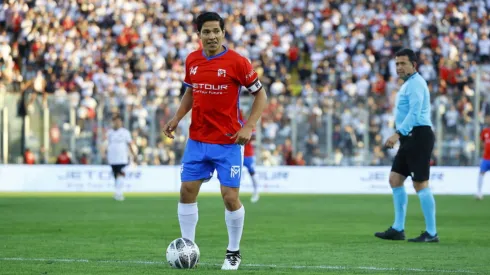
[
  {"x": 182, "y": 168},
  {"x": 413, "y": 174},
  {"x": 235, "y": 171}
]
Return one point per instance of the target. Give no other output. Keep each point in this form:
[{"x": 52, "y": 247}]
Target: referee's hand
[{"x": 390, "y": 143}]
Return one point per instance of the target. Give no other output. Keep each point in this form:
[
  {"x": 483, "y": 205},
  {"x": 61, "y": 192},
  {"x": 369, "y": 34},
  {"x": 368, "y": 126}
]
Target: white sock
[
  {"x": 480, "y": 183},
  {"x": 234, "y": 223},
  {"x": 255, "y": 183},
  {"x": 119, "y": 186},
  {"x": 188, "y": 216}
]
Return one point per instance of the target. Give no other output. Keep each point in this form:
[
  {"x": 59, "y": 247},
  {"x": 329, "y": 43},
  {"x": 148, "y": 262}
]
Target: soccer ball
[{"x": 183, "y": 253}]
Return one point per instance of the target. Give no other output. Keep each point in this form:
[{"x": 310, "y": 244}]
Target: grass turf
[{"x": 284, "y": 234}]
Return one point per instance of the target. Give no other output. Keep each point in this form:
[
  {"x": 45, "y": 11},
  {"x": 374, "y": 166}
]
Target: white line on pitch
[{"x": 248, "y": 265}]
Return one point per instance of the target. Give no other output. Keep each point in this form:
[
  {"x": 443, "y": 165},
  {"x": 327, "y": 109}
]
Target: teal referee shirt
[{"x": 412, "y": 107}]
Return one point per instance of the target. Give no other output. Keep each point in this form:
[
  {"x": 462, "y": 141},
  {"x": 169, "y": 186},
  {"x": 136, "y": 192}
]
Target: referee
[{"x": 413, "y": 130}]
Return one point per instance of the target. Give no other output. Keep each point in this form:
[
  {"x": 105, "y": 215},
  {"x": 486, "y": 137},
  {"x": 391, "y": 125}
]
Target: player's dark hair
[
  {"x": 209, "y": 16},
  {"x": 407, "y": 52}
]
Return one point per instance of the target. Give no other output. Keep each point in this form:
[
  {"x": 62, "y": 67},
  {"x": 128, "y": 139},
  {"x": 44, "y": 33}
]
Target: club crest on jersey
[
  {"x": 193, "y": 70},
  {"x": 221, "y": 73}
]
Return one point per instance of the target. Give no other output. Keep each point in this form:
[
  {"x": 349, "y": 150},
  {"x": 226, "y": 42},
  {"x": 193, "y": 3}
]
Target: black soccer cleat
[
  {"x": 425, "y": 237},
  {"x": 391, "y": 234}
]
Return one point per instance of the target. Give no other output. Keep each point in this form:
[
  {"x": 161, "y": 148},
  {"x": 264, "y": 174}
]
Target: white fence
[{"x": 282, "y": 179}]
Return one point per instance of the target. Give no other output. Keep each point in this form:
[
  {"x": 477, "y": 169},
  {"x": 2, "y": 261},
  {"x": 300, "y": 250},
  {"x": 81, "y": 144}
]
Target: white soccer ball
[{"x": 183, "y": 253}]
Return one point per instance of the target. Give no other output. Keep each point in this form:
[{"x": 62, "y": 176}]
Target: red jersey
[
  {"x": 216, "y": 83},
  {"x": 485, "y": 137}
]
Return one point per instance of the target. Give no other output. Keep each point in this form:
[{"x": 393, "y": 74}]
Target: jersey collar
[
  {"x": 410, "y": 76},
  {"x": 215, "y": 56}
]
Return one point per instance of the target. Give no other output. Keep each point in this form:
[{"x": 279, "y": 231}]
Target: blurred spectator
[
  {"x": 29, "y": 157},
  {"x": 63, "y": 158},
  {"x": 328, "y": 66}
]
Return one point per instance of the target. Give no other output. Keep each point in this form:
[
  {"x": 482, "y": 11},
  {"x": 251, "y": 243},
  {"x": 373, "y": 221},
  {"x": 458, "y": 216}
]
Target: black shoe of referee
[{"x": 391, "y": 234}]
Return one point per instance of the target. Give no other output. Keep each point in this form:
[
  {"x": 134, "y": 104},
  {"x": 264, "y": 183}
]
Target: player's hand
[
  {"x": 390, "y": 143},
  {"x": 243, "y": 136},
  {"x": 170, "y": 127}
]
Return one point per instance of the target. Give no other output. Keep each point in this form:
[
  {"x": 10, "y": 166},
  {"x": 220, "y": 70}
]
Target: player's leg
[
  {"x": 195, "y": 170},
  {"x": 398, "y": 174},
  {"x": 187, "y": 208},
  {"x": 228, "y": 161},
  {"x": 249, "y": 162},
  {"x": 484, "y": 167},
  {"x": 419, "y": 163},
  {"x": 119, "y": 175}
]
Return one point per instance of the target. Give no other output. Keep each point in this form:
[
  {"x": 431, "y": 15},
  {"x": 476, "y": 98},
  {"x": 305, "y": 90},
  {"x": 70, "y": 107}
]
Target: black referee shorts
[
  {"x": 413, "y": 156},
  {"x": 117, "y": 169}
]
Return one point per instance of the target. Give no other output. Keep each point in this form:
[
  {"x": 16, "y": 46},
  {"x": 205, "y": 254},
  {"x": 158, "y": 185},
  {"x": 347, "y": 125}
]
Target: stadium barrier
[{"x": 281, "y": 179}]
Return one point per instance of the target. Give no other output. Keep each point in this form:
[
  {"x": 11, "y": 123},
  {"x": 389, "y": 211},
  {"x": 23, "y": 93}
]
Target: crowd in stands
[{"x": 328, "y": 67}]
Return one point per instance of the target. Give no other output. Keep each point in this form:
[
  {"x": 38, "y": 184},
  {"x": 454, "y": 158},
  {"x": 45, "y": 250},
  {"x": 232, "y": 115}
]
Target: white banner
[
  {"x": 86, "y": 178},
  {"x": 282, "y": 179}
]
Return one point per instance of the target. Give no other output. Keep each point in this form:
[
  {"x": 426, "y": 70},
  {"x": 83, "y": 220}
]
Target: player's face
[
  {"x": 211, "y": 36},
  {"x": 116, "y": 123},
  {"x": 404, "y": 67}
]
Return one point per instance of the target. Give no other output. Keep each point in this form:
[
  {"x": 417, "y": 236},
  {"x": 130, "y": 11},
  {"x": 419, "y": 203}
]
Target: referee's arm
[{"x": 416, "y": 97}]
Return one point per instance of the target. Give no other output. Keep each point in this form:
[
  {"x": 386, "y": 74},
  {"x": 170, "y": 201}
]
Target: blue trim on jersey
[
  {"x": 215, "y": 56},
  {"x": 187, "y": 84}
]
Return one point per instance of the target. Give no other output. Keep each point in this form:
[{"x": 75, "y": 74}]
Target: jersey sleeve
[
  {"x": 187, "y": 78},
  {"x": 247, "y": 76}
]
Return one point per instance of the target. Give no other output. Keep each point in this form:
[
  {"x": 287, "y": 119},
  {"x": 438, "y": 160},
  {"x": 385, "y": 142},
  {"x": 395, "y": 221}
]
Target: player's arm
[
  {"x": 258, "y": 106},
  {"x": 132, "y": 146},
  {"x": 250, "y": 80},
  {"x": 185, "y": 104},
  {"x": 416, "y": 95},
  {"x": 184, "y": 108},
  {"x": 133, "y": 149}
]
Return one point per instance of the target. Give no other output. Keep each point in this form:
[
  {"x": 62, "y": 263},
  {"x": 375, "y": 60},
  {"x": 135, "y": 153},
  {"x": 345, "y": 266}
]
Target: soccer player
[
  {"x": 485, "y": 162},
  {"x": 214, "y": 77},
  {"x": 249, "y": 162},
  {"x": 414, "y": 131},
  {"x": 119, "y": 142}
]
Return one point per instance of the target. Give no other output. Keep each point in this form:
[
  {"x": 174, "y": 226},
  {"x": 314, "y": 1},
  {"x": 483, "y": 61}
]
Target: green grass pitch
[{"x": 284, "y": 234}]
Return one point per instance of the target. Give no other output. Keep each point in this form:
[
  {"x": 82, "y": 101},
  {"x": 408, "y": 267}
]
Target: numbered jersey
[{"x": 216, "y": 82}]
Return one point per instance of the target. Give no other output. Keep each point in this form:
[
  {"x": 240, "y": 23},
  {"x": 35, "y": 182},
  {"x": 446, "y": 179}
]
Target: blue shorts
[
  {"x": 200, "y": 160},
  {"x": 249, "y": 162},
  {"x": 484, "y": 165}
]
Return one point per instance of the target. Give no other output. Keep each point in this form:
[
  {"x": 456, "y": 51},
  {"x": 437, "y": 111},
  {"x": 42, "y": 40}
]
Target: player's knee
[
  {"x": 189, "y": 192},
  {"x": 419, "y": 185},
  {"x": 231, "y": 198},
  {"x": 396, "y": 180}
]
